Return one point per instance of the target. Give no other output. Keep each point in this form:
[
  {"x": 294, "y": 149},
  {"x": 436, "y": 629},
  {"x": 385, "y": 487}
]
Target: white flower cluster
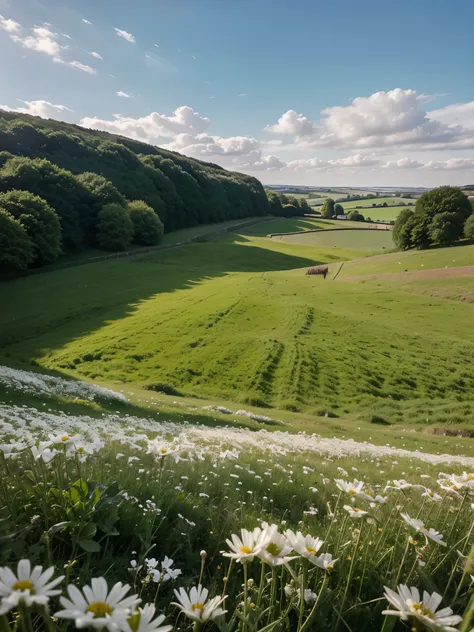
[{"x": 39, "y": 384}]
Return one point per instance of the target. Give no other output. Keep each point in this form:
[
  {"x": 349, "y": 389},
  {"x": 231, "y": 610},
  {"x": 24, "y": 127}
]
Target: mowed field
[
  {"x": 354, "y": 239},
  {"x": 237, "y": 320}
]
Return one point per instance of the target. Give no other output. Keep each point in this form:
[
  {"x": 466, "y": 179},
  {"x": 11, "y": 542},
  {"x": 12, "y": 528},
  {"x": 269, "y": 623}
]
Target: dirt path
[{"x": 435, "y": 273}]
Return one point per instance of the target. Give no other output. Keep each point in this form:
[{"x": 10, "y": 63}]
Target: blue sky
[{"x": 330, "y": 93}]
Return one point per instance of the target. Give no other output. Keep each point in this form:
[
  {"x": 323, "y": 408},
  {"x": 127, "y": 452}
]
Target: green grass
[
  {"x": 411, "y": 260},
  {"x": 367, "y": 204},
  {"x": 366, "y": 240},
  {"x": 388, "y": 214},
  {"x": 237, "y": 320}
]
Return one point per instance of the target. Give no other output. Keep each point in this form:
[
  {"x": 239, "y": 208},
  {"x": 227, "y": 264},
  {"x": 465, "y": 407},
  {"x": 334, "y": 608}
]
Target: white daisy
[
  {"x": 419, "y": 526},
  {"x": 247, "y": 546},
  {"x": 353, "y": 489},
  {"x": 304, "y": 545},
  {"x": 409, "y": 606},
  {"x": 354, "y": 512},
  {"x": 196, "y": 606},
  {"x": 28, "y": 586},
  {"x": 98, "y": 608},
  {"x": 325, "y": 561},
  {"x": 275, "y": 547},
  {"x": 399, "y": 485},
  {"x": 141, "y": 621},
  {"x": 161, "y": 449}
]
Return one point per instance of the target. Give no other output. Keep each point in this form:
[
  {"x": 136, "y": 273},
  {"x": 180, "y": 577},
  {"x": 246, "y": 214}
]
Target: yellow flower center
[
  {"x": 419, "y": 608},
  {"x": 246, "y": 549},
  {"x": 23, "y": 584},
  {"x": 352, "y": 491},
  {"x": 355, "y": 509},
  {"x": 134, "y": 621},
  {"x": 80, "y": 449},
  {"x": 99, "y": 609},
  {"x": 329, "y": 567},
  {"x": 198, "y": 606},
  {"x": 273, "y": 549},
  {"x": 65, "y": 438},
  {"x": 311, "y": 550},
  {"x": 163, "y": 450}
]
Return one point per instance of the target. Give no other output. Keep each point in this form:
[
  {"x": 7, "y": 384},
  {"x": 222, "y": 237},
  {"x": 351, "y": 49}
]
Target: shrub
[
  {"x": 115, "y": 228},
  {"x": 446, "y": 228},
  {"x": 327, "y": 210},
  {"x": 40, "y": 222},
  {"x": 162, "y": 387},
  {"x": 469, "y": 227},
  {"x": 147, "y": 226},
  {"x": 96, "y": 192},
  {"x": 402, "y": 228},
  {"x": 338, "y": 209},
  {"x": 355, "y": 216},
  {"x": 16, "y": 249}
]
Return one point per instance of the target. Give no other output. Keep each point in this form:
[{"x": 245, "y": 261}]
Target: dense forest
[{"x": 64, "y": 188}]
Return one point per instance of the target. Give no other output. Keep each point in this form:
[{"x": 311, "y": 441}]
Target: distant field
[
  {"x": 388, "y": 214},
  {"x": 368, "y": 240},
  {"x": 390, "y": 201},
  {"x": 411, "y": 260}
]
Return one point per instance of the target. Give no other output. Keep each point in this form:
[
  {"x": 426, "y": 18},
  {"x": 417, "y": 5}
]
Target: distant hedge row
[{"x": 104, "y": 191}]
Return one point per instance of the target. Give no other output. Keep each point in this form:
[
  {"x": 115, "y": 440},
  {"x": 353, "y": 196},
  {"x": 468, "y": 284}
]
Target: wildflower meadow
[{"x": 127, "y": 524}]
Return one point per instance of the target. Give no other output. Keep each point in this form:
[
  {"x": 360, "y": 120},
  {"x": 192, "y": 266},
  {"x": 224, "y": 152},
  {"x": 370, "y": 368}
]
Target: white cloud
[
  {"x": 80, "y": 66},
  {"x": 44, "y": 109},
  {"x": 266, "y": 163},
  {"x": 456, "y": 114},
  {"x": 86, "y": 21},
  {"x": 43, "y": 40},
  {"x": 294, "y": 124},
  {"x": 308, "y": 164},
  {"x": 154, "y": 126},
  {"x": 96, "y": 55},
  {"x": 124, "y": 95},
  {"x": 66, "y": 36},
  {"x": 450, "y": 165},
  {"x": 7, "y": 24},
  {"x": 402, "y": 163},
  {"x": 203, "y": 145},
  {"x": 397, "y": 118},
  {"x": 242, "y": 94},
  {"x": 126, "y": 36},
  {"x": 357, "y": 160}
]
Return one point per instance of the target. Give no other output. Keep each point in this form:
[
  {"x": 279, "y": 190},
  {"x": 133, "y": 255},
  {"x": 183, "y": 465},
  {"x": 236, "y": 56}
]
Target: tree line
[
  {"x": 64, "y": 188},
  {"x": 440, "y": 217},
  {"x": 282, "y": 205}
]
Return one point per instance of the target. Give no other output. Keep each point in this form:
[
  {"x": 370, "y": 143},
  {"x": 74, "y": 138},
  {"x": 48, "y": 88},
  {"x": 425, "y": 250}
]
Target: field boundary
[
  {"x": 323, "y": 230},
  {"x": 142, "y": 251}
]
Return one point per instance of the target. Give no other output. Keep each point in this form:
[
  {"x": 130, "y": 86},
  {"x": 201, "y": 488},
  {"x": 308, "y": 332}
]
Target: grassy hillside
[
  {"x": 357, "y": 239},
  {"x": 238, "y": 320}
]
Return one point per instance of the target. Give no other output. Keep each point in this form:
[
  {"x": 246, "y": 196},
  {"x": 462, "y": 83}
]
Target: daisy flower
[
  {"x": 196, "y": 606},
  {"x": 245, "y": 548},
  {"x": 399, "y": 485},
  {"x": 419, "y": 526},
  {"x": 353, "y": 489},
  {"x": 275, "y": 548},
  {"x": 98, "y": 608},
  {"x": 304, "y": 545},
  {"x": 408, "y": 605},
  {"x": 354, "y": 512},
  {"x": 28, "y": 587},
  {"x": 161, "y": 449},
  {"x": 325, "y": 561},
  {"x": 141, "y": 621}
]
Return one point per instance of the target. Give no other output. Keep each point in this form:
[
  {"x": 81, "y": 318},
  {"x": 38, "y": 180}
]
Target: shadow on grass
[{"x": 46, "y": 312}]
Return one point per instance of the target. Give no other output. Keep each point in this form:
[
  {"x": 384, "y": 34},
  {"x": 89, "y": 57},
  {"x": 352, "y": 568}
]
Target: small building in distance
[{"x": 341, "y": 216}]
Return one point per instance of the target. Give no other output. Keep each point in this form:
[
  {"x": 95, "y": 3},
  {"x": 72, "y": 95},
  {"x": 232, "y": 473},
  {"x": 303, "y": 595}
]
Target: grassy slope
[
  {"x": 234, "y": 320},
  {"x": 462, "y": 255},
  {"x": 367, "y": 240},
  {"x": 390, "y": 201}
]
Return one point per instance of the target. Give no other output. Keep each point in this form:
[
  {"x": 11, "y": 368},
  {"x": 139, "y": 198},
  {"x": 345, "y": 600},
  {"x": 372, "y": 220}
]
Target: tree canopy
[
  {"x": 147, "y": 226},
  {"x": 114, "y": 228},
  {"x": 16, "y": 250},
  {"x": 327, "y": 210}
]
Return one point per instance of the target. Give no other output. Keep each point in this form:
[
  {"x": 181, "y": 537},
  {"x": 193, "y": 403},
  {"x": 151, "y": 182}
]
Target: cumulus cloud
[
  {"x": 154, "y": 126},
  {"x": 453, "y": 164},
  {"x": 85, "y": 21},
  {"x": 456, "y": 114},
  {"x": 308, "y": 164},
  {"x": 357, "y": 160},
  {"x": 293, "y": 124},
  {"x": 44, "y": 109},
  {"x": 126, "y": 36},
  {"x": 402, "y": 163},
  {"x": 9, "y": 25},
  {"x": 397, "y": 118},
  {"x": 124, "y": 95},
  {"x": 96, "y": 55},
  {"x": 43, "y": 40},
  {"x": 204, "y": 145}
]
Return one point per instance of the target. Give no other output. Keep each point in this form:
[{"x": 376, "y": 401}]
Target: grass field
[
  {"x": 240, "y": 390},
  {"x": 390, "y": 201},
  {"x": 388, "y": 214},
  {"x": 359, "y": 239},
  {"x": 238, "y": 320}
]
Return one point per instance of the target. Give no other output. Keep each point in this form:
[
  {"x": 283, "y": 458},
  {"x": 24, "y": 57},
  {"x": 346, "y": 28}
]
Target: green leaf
[
  {"x": 89, "y": 530},
  {"x": 91, "y": 546},
  {"x": 57, "y": 527}
]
